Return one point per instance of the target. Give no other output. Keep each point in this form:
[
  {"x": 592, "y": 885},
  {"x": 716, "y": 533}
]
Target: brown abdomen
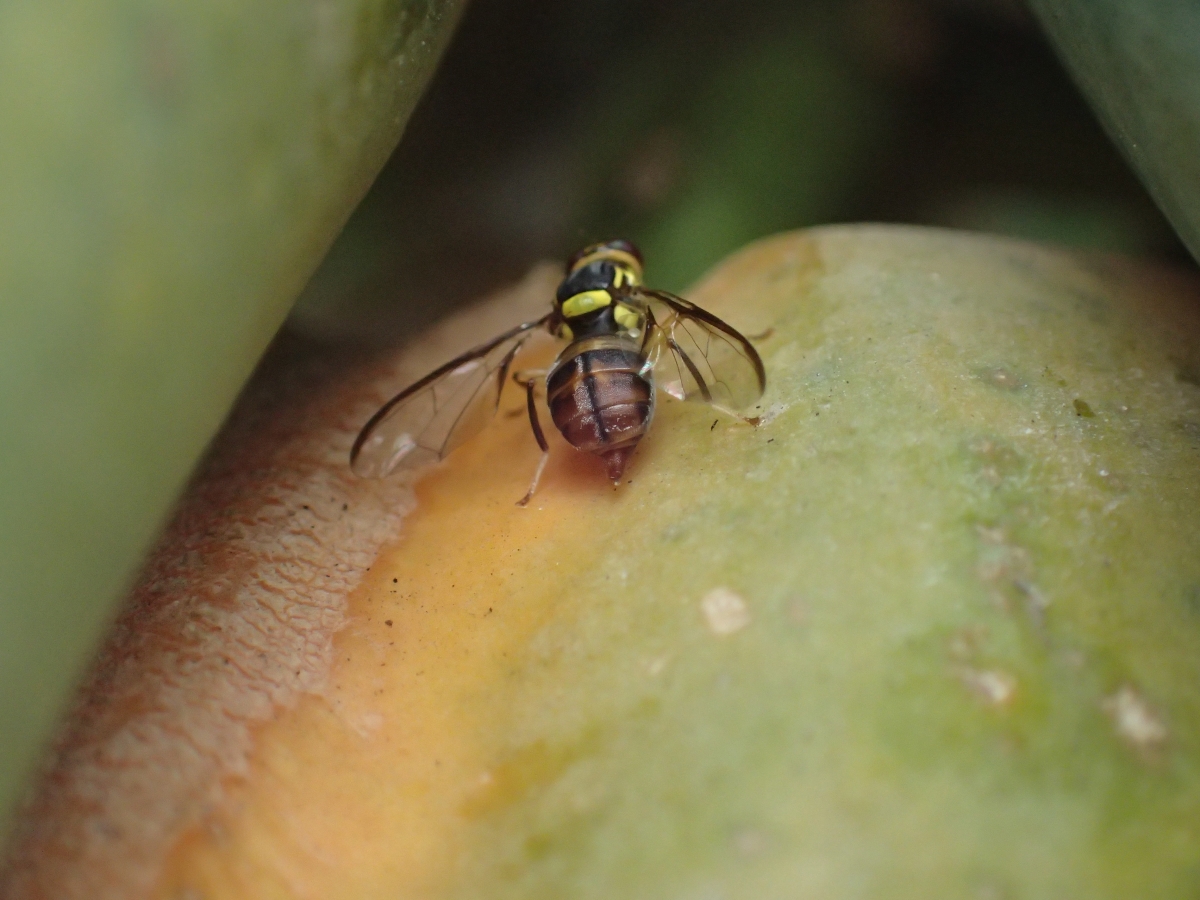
[{"x": 598, "y": 397}]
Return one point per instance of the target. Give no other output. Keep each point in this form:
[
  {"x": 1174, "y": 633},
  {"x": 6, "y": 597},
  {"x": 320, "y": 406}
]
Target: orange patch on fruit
[{"x": 357, "y": 793}]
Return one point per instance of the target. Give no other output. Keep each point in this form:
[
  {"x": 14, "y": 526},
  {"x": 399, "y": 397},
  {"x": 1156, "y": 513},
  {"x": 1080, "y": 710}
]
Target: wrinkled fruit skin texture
[{"x": 932, "y": 630}]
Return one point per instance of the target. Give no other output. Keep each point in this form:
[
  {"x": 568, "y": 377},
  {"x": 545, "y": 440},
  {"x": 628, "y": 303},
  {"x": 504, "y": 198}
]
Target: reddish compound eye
[{"x": 628, "y": 247}]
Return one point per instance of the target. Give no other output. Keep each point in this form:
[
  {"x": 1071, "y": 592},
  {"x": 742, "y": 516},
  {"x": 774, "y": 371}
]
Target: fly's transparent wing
[
  {"x": 451, "y": 404},
  {"x": 696, "y": 356}
]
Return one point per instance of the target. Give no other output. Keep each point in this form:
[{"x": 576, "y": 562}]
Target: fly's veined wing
[
  {"x": 696, "y": 356},
  {"x": 451, "y": 404}
]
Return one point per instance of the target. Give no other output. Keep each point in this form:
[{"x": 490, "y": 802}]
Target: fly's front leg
[{"x": 529, "y": 379}]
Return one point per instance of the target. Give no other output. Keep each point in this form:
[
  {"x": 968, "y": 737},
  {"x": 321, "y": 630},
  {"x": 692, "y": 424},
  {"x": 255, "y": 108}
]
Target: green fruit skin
[
  {"x": 965, "y": 540},
  {"x": 170, "y": 175}
]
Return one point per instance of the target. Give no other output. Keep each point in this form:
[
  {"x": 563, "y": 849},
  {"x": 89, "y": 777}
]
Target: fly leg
[{"x": 529, "y": 380}]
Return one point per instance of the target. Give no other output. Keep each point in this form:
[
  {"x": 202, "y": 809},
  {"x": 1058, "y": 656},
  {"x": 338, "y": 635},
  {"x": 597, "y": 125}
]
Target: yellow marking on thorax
[
  {"x": 625, "y": 277},
  {"x": 585, "y": 302},
  {"x": 627, "y": 317}
]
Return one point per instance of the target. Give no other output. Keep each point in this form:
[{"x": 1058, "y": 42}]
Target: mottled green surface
[
  {"x": 1138, "y": 63},
  {"x": 968, "y": 659},
  {"x": 170, "y": 174}
]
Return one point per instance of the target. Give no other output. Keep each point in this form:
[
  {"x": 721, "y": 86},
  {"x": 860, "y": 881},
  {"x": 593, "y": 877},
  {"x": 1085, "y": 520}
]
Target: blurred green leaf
[
  {"x": 170, "y": 175},
  {"x": 1138, "y": 63}
]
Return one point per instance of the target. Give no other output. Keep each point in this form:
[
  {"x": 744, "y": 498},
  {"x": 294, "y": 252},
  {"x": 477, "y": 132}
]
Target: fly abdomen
[{"x": 600, "y": 400}]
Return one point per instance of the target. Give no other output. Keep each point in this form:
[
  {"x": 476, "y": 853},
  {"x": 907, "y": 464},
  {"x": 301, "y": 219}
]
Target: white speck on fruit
[
  {"x": 1134, "y": 720},
  {"x": 724, "y": 611},
  {"x": 772, "y": 412},
  {"x": 368, "y": 723},
  {"x": 993, "y": 686}
]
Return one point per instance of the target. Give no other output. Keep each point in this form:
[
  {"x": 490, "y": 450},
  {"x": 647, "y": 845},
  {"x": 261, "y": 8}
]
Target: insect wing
[
  {"x": 697, "y": 356},
  {"x": 451, "y": 404}
]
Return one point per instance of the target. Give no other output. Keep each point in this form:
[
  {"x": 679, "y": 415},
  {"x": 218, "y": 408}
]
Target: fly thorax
[
  {"x": 597, "y": 296},
  {"x": 595, "y": 313}
]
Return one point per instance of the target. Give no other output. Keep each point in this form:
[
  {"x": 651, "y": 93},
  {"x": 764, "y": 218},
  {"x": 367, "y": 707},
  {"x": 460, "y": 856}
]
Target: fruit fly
[{"x": 623, "y": 340}]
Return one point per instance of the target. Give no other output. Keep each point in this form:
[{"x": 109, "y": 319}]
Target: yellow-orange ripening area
[
  {"x": 362, "y": 792},
  {"x": 930, "y": 631}
]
